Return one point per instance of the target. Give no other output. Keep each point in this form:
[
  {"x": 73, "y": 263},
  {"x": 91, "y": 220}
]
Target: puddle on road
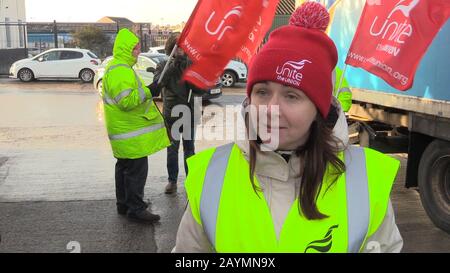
[
  {"x": 4, "y": 171},
  {"x": 3, "y": 161}
]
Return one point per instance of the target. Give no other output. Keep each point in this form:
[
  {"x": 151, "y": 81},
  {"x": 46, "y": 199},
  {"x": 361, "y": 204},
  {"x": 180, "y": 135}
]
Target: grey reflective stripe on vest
[
  {"x": 126, "y": 92},
  {"x": 115, "y": 66},
  {"x": 137, "y": 133},
  {"x": 345, "y": 90},
  {"x": 122, "y": 95},
  {"x": 140, "y": 89},
  {"x": 108, "y": 100},
  {"x": 358, "y": 202},
  {"x": 212, "y": 188}
]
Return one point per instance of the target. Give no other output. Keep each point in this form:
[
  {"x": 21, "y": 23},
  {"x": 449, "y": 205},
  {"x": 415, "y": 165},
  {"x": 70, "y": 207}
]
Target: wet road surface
[{"x": 57, "y": 178}]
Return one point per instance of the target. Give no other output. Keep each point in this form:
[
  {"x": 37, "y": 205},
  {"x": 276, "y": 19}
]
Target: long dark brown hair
[
  {"x": 171, "y": 42},
  {"x": 318, "y": 153}
]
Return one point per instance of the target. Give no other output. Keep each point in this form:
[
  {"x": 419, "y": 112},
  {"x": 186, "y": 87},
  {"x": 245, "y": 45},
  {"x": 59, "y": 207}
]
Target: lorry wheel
[{"x": 434, "y": 183}]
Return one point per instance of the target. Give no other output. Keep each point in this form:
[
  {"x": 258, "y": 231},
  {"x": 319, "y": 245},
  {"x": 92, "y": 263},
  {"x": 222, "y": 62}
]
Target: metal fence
[
  {"x": 13, "y": 44},
  {"x": 13, "y": 35},
  {"x": 156, "y": 39},
  {"x": 19, "y": 40},
  {"x": 43, "y": 36}
]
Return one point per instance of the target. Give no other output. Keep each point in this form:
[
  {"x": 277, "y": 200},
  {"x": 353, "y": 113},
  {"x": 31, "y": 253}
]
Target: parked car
[
  {"x": 234, "y": 72},
  {"x": 144, "y": 66},
  {"x": 70, "y": 63},
  {"x": 33, "y": 51},
  {"x": 157, "y": 49},
  {"x": 145, "y": 60}
]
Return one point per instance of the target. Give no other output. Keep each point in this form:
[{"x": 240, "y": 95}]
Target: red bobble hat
[{"x": 300, "y": 55}]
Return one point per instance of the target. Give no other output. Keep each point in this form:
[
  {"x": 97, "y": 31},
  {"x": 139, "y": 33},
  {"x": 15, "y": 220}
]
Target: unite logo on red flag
[
  {"x": 258, "y": 31},
  {"x": 218, "y": 30},
  {"x": 393, "y": 36}
]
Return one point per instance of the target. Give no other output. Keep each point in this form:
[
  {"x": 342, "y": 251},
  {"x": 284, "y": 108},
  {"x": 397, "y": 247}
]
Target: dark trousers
[
  {"x": 172, "y": 158},
  {"x": 131, "y": 175},
  {"x": 172, "y": 150}
]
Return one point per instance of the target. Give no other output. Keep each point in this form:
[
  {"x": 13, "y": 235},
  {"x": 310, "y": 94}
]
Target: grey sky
[{"x": 155, "y": 11}]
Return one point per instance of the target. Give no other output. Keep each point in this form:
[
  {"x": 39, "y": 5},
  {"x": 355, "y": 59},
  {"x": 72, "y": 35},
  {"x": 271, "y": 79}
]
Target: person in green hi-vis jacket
[
  {"x": 136, "y": 128},
  {"x": 345, "y": 95}
]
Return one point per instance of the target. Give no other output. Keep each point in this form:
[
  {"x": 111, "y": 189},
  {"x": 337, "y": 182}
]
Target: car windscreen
[
  {"x": 38, "y": 56},
  {"x": 158, "y": 59}
]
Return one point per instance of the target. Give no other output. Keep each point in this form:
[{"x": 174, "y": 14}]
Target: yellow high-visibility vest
[{"x": 236, "y": 219}]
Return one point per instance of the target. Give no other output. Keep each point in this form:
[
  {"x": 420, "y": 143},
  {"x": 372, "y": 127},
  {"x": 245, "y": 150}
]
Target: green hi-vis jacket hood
[{"x": 124, "y": 45}]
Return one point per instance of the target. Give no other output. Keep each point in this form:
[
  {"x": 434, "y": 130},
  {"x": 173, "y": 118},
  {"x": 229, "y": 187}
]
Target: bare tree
[{"x": 94, "y": 39}]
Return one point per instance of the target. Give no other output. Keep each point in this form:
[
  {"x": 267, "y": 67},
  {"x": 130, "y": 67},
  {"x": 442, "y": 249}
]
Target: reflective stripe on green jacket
[
  {"x": 236, "y": 219},
  {"x": 135, "y": 126}
]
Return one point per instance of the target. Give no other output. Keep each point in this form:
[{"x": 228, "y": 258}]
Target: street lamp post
[{"x": 55, "y": 33}]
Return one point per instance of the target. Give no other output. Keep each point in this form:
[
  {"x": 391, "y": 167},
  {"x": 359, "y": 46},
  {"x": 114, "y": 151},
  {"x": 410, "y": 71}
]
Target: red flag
[
  {"x": 259, "y": 30},
  {"x": 392, "y": 37},
  {"x": 217, "y": 30}
]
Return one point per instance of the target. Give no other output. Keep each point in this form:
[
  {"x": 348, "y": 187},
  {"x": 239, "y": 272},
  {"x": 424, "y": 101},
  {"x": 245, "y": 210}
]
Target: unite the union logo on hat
[{"x": 290, "y": 73}]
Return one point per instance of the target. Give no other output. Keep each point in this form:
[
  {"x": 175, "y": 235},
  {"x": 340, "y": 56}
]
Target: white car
[
  {"x": 234, "y": 72},
  {"x": 33, "y": 51},
  {"x": 157, "y": 49},
  {"x": 70, "y": 63},
  {"x": 145, "y": 60}
]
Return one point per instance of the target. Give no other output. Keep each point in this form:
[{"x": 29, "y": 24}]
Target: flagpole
[
  {"x": 167, "y": 63},
  {"x": 190, "y": 95},
  {"x": 169, "y": 134},
  {"x": 187, "y": 26},
  {"x": 341, "y": 80}
]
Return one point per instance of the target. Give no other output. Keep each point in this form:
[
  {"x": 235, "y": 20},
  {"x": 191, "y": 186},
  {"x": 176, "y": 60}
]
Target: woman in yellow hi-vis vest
[{"x": 294, "y": 187}]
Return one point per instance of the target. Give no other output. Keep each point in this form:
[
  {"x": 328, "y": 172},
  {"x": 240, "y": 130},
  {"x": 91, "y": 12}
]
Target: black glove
[
  {"x": 333, "y": 116},
  {"x": 154, "y": 89}
]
